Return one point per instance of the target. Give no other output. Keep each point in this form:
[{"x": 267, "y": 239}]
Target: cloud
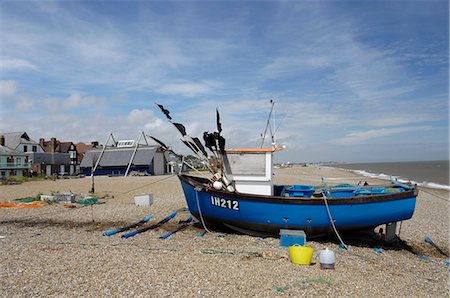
[
  {"x": 75, "y": 100},
  {"x": 16, "y": 64},
  {"x": 188, "y": 89},
  {"x": 8, "y": 89},
  {"x": 362, "y": 136}
]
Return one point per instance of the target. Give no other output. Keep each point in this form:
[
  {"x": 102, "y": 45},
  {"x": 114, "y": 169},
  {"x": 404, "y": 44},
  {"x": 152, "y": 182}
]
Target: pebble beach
[{"x": 54, "y": 251}]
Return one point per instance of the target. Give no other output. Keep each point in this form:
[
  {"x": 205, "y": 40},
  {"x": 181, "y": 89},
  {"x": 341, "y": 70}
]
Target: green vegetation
[{"x": 19, "y": 180}]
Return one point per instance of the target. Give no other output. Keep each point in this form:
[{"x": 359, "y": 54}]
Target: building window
[
  {"x": 34, "y": 148},
  {"x": 3, "y": 174},
  {"x": 25, "y": 148}
]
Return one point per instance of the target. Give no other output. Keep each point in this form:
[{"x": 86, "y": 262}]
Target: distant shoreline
[{"x": 429, "y": 174}]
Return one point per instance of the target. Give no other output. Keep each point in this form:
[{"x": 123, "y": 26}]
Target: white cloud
[
  {"x": 8, "y": 89},
  {"x": 24, "y": 104},
  {"x": 362, "y": 136},
  {"x": 188, "y": 88},
  {"x": 16, "y": 64},
  {"x": 77, "y": 100}
]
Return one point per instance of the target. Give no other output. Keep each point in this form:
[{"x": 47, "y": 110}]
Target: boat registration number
[{"x": 225, "y": 203}]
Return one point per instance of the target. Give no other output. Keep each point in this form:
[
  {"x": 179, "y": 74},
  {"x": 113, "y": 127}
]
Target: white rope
[
  {"x": 201, "y": 173},
  {"x": 200, "y": 212},
  {"x": 332, "y": 221}
]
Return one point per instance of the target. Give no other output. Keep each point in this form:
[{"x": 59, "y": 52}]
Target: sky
[{"x": 353, "y": 81}]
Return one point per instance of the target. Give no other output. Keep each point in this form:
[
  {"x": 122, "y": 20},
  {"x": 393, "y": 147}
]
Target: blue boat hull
[{"x": 256, "y": 214}]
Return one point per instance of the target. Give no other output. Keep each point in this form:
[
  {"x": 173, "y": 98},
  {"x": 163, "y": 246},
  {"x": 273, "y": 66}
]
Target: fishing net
[{"x": 35, "y": 204}]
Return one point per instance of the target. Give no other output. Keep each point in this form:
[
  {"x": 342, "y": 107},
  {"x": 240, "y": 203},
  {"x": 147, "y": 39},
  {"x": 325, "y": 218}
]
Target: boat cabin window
[{"x": 246, "y": 164}]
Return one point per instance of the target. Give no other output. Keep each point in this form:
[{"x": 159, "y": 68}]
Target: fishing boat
[{"x": 240, "y": 194}]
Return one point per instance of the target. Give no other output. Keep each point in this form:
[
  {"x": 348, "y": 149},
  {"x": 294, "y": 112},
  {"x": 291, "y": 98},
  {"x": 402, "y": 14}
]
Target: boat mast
[{"x": 268, "y": 125}]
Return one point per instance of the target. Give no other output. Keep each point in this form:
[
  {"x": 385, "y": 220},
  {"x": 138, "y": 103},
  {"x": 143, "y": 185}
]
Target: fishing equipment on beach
[
  {"x": 115, "y": 231},
  {"x": 192, "y": 143},
  {"x": 151, "y": 227},
  {"x": 327, "y": 259},
  {"x": 429, "y": 241},
  {"x": 217, "y": 185},
  {"x": 301, "y": 255},
  {"x": 213, "y": 141},
  {"x": 181, "y": 227},
  {"x": 35, "y": 204}
]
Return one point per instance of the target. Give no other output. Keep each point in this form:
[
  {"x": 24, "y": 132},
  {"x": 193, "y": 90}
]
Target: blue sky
[{"x": 353, "y": 81}]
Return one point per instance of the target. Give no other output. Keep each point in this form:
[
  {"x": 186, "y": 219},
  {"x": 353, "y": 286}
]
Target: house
[
  {"x": 12, "y": 162},
  {"x": 20, "y": 141},
  {"x": 63, "y": 156},
  {"x": 153, "y": 160},
  {"x": 82, "y": 148}
]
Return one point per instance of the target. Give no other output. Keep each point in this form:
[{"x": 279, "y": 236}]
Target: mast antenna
[{"x": 268, "y": 125}]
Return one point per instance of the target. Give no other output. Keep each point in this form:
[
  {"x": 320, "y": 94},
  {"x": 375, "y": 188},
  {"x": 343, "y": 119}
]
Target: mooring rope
[
  {"x": 153, "y": 182},
  {"x": 332, "y": 221},
  {"x": 200, "y": 212}
]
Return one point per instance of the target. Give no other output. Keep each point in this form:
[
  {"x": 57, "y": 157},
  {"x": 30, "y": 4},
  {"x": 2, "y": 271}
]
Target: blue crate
[
  {"x": 300, "y": 190},
  {"x": 292, "y": 237}
]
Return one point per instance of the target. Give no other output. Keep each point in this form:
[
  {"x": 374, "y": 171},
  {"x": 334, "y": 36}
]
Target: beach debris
[
  {"x": 245, "y": 255},
  {"x": 305, "y": 283},
  {"x": 230, "y": 252},
  {"x": 151, "y": 227},
  {"x": 429, "y": 241},
  {"x": 184, "y": 224},
  {"x": 377, "y": 250},
  {"x": 200, "y": 234},
  {"x": 115, "y": 231},
  {"x": 60, "y": 197}
]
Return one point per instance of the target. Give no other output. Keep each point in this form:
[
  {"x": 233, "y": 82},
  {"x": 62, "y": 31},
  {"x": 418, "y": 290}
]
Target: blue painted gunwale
[{"x": 268, "y": 214}]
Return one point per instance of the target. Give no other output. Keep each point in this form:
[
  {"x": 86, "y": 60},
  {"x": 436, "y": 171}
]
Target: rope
[
  {"x": 332, "y": 222},
  {"x": 201, "y": 173},
  {"x": 200, "y": 212},
  {"x": 165, "y": 178}
]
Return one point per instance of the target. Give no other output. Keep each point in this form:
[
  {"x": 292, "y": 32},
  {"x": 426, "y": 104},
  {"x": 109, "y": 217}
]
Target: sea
[{"x": 432, "y": 174}]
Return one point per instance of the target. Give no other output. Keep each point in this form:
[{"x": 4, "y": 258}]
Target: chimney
[
  {"x": 52, "y": 144},
  {"x": 2, "y": 140},
  {"x": 94, "y": 144},
  {"x": 42, "y": 142}
]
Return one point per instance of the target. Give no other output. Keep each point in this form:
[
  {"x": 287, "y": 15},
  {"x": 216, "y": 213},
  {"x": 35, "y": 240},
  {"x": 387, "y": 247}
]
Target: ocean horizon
[{"x": 432, "y": 174}]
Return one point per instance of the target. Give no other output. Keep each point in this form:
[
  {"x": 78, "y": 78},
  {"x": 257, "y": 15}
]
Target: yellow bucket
[{"x": 301, "y": 254}]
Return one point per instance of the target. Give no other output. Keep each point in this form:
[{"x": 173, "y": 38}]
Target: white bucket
[{"x": 327, "y": 259}]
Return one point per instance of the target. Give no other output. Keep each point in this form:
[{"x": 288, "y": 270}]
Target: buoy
[
  {"x": 217, "y": 185},
  {"x": 327, "y": 259}
]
